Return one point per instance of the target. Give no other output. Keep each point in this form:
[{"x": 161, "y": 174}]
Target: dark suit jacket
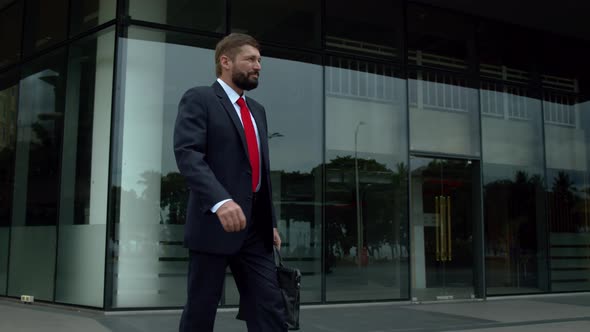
[{"x": 211, "y": 153}]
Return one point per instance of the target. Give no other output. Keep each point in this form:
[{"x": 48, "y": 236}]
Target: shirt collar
[{"x": 231, "y": 93}]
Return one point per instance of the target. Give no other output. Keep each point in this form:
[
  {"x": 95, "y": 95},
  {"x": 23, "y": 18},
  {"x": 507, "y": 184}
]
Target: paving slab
[
  {"x": 580, "y": 300},
  {"x": 539, "y": 315},
  {"x": 16, "y": 317},
  {"x": 583, "y": 325},
  {"x": 509, "y": 311}
]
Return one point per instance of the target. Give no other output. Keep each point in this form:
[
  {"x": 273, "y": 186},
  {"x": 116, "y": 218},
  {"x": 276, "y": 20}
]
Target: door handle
[
  {"x": 442, "y": 207},
  {"x": 443, "y": 229},
  {"x": 449, "y": 242},
  {"x": 437, "y": 226}
]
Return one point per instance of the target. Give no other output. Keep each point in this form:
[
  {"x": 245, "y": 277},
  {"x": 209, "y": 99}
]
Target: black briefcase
[{"x": 290, "y": 285}]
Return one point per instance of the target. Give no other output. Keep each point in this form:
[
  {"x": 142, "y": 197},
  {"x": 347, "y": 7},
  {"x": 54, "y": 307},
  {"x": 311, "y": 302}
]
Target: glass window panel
[
  {"x": 150, "y": 262},
  {"x": 567, "y": 148},
  {"x": 444, "y": 115},
  {"x": 438, "y": 38},
  {"x": 37, "y": 172},
  {"x": 87, "y": 14},
  {"x": 445, "y": 219},
  {"x": 565, "y": 67},
  {"x": 45, "y": 24},
  {"x": 366, "y": 169},
  {"x": 372, "y": 27},
  {"x": 8, "y": 111},
  {"x": 11, "y": 22},
  {"x": 196, "y": 14},
  {"x": 514, "y": 208},
  {"x": 84, "y": 172},
  {"x": 269, "y": 20},
  {"x": 296, "y": 177},
  {"x": 153, "y": 195},
  {"x": 507, "y": 52}
]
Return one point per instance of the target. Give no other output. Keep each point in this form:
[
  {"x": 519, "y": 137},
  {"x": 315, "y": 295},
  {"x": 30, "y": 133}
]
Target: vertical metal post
[{"x": 359, "y": 235}]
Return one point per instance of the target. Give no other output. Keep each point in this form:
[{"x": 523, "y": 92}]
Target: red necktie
[{"x": 251, "y": 142}]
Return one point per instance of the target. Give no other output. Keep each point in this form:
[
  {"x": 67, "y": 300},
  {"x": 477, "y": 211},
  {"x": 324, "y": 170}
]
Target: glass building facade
[{"x": 418, "y": 151}]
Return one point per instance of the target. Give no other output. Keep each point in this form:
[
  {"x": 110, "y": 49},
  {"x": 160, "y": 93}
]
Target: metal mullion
[
  {"x": 324, "y": 234},
  {"x": 544, "y": 204},
  {"x": 323, "y": 184},
  {"x": 63, "y": 129},
  {"x": 18, "y": 68},
  {"x": 60, "y": 166},
  {"x": 120, "y": 32},
  {"x": 228, "y": 25},
  {"x": 17, "y": 73}
]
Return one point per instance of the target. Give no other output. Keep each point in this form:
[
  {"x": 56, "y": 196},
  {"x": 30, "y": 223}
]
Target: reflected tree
[
  {"x": 512, "y": 213},
  {"x": 563, "y": 188},
  {"x": 6, "y": 178},
  {"x": 383, "y": 204},
  {"x": 383, "y": 194},
  {"x": 174, "y": 197},
  {"x": 171, "y": 198},
  {"x": 562, "y": 199}
]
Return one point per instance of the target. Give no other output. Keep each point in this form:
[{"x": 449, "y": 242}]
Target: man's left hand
[{"x": 276, "y": 238}]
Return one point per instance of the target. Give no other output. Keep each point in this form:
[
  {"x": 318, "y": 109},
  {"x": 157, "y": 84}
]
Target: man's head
[{"x": 237, "y": 61}]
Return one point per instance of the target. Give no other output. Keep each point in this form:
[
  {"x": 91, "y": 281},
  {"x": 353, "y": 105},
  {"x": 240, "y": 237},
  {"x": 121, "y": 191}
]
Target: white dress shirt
[{"x": 233, "y": 97}]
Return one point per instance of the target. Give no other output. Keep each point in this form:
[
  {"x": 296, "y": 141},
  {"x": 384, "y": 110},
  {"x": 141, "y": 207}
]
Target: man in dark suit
[{"x": 221, "y": 148}]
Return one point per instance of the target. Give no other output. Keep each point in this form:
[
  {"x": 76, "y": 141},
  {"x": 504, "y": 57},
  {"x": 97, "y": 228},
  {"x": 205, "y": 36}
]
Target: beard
[{"x": 244, "y": 81}]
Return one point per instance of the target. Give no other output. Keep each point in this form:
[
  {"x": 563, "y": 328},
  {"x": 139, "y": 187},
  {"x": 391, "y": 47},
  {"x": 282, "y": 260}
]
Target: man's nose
[{"x": 257, "y": 65}]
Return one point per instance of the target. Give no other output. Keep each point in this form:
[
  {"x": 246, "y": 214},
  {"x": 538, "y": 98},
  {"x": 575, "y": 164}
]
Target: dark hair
[{"x": 230, "y": 45}]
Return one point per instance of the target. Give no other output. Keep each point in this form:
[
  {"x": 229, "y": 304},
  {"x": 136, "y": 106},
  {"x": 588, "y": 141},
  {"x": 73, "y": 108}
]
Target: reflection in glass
[
  {"x": 300, "y": 25},
  {"x": 11, "y": 18},
  {"x": 45, "y": 24},
  {"x": 37, "y": 173},
  {"x": 8, "y": 109},
  {"x": 444, "y": 114},
  {"x": 567, "y": 146},
  {"x": 372, "y": 27},
  {"x": 445, "y": 214},
  {"x": 438, "y": 38},
  {"x": 151, "y": 262},
  {"x": 196, "y": 14},
  {"x": 514, "y": 208},
  {"x": 296, "y": 177},
  {"x": 366, "y": 180},
  {"x": 565, "y": 68},
  {"x": 87, "y": 14},
  {"x": 84, "y": 172},
  {"x": 506, "y": 52}
]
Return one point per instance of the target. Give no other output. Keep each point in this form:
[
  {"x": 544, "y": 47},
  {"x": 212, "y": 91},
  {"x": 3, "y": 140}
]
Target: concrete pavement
[{"x": 544, "y": 313}]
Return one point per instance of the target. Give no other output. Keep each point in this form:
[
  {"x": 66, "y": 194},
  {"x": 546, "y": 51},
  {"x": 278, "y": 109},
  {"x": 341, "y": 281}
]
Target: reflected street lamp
[
  {"x": 276, "y": 134},
  {"x": 359, "y": 225}
]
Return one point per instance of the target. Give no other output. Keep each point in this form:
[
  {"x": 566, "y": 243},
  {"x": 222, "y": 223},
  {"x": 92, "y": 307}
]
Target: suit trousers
[{"x": 254, "y": 272}]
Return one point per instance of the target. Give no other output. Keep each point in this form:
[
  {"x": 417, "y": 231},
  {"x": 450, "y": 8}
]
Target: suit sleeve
[
  {"x": 190, "y": 150},
  {"x": 272, "y": 206}
]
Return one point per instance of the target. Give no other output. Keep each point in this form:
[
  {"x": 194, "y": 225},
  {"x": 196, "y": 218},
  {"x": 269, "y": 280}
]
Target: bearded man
[{"x": 221, "y": 148}]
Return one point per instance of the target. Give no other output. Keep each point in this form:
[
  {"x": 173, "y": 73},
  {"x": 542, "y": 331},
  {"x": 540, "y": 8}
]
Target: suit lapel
[{"x": 231, "y": 111}]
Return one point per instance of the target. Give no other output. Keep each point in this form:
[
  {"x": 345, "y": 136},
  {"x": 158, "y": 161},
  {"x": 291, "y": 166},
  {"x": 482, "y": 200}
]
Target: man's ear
[{"x": 224, "y": 61}]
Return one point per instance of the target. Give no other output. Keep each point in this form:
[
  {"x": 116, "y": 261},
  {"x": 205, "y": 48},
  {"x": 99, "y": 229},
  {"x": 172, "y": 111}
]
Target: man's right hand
[{"x": 231, "y": 216}]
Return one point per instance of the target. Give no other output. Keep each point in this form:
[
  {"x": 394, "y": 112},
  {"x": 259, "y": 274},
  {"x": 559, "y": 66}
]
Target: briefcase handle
[{"x": 278, "y": 257}]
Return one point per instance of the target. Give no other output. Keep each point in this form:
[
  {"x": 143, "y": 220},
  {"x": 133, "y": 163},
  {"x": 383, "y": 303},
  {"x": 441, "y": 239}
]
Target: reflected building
[
  {"x": 8, "y": 107},
  {"x": 420, "y": 149}
]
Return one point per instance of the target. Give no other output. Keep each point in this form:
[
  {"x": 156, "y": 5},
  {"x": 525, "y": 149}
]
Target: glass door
[{"x": 443, "y": 217}]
